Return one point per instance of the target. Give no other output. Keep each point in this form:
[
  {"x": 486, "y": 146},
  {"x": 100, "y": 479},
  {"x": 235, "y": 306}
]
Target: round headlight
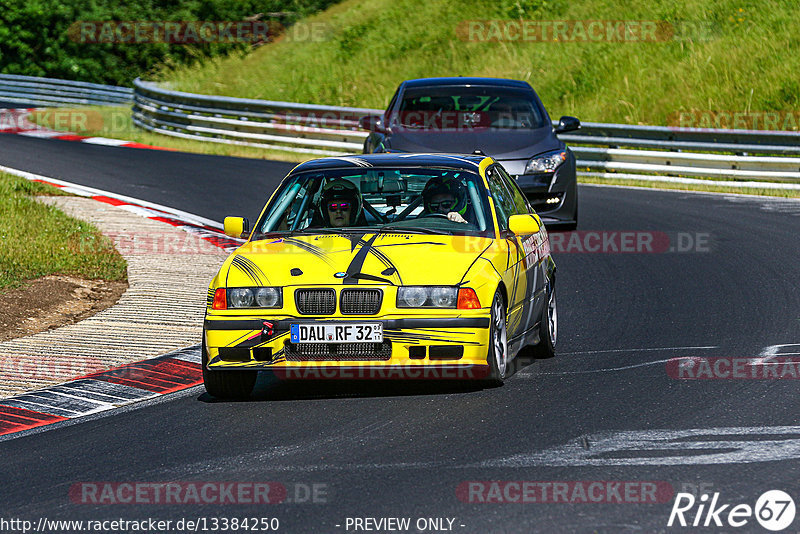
[
  {"x": 414, "y": 296},
  {"x": 443, "y": 297},
  {"x": 267, "y": 297},
  {"x": 240, "y": 297}
]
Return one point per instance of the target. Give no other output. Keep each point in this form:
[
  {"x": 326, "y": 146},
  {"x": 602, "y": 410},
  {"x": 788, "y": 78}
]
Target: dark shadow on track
[
  {"x": 17, "y": 105},
  {"x": 269, "y": 388},
  {"x": 526, "y": 358}
]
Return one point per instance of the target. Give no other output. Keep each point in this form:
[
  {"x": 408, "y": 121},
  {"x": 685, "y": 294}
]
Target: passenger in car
[{"x": 445, "y": 196}]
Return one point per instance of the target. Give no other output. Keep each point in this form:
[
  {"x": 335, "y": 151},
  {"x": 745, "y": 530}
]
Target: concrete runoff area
[{"x": 161, "y": 311}]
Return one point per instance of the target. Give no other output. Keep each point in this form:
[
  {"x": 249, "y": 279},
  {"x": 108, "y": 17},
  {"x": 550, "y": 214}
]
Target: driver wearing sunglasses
[
  {"x": 340, "y": 204},
  {"x": 446, "y": 197},
  {"x": 339, "y": 213}
]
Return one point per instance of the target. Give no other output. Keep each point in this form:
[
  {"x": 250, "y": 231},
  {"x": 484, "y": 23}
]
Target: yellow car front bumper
[{"x": 413, "y": 347}]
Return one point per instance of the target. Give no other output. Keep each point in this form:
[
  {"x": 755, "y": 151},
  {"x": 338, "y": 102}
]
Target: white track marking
[
  {"x": 590, "y": 371},
  {"x": 693, "y": 181},
  {"x": 697, "y": 446},
  {"x": 789, "y": 206},
  {"x": 532, "y": 374},
  {"x": 637, "y": 350},
  {"x": 773, "y": 351},
  {"x": 91, "y": 191},
  {"x": 105, "y": 141},
  {"x": 44, "y": 134}
]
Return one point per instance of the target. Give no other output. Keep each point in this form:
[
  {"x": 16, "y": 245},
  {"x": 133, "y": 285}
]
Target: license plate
[{"x": 336, "y": 333}]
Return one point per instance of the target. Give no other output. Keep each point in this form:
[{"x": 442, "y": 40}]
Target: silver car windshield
[{"x": 415, "y": 200}]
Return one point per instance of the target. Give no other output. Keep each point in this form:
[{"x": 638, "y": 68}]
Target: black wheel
[
  {"x": 227, "y": 384},
  {"x": 498, "y": 341},
  {"x": 548, "y": 327}
]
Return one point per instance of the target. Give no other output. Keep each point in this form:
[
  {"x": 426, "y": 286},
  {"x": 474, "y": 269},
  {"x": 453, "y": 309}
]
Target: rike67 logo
[{"x": 774, "y": 510}]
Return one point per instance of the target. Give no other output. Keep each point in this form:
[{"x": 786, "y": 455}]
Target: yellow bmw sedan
[{"x": 382, "y": 266}]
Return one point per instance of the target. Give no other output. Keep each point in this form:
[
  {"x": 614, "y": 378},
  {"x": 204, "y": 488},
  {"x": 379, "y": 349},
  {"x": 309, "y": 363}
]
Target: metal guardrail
[
  {"x": 55, "y": 92},
  {"x": 306, "y": 128},
  {"x": 740, "y": 142},
  {"x": 773, "y": 169},
  {"x": 601, "y": 149}
]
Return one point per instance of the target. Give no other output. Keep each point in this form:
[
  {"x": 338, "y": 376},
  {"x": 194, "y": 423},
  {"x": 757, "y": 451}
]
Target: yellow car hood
[{"x": 407, "y": 259}]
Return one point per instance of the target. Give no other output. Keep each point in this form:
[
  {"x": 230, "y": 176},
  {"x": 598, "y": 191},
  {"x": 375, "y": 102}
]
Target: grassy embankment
[
  {"x": 38, "y": 240},
  {"x": 733, "y": 55},
  {"x": 730, "y": 56}
]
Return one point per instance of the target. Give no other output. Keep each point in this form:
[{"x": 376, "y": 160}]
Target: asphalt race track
[
  {"x": 604, "y": 409},
  {"x": 11, "y": 105},
  {"x": 197, "y": 183}
]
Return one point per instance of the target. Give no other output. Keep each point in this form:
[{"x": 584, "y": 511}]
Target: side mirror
[
  {"x": 567, "y": 124},
  {"x": 523, "y": 224},
  {"x": 371, "y": 123},
  {"x": 236, "y": 227}
]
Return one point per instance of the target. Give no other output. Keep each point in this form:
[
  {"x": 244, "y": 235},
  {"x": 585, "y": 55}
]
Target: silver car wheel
[
  {"x": 552, "y": 317},
  {"x": 499, "y": 336}
]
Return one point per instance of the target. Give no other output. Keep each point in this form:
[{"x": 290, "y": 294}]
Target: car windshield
[
  {"x": 412, "y": 200},
  {"x": 459, "y": 107}
]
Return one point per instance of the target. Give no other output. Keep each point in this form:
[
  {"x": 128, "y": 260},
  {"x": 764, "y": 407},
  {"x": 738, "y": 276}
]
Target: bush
[{"x": 37, "y": 41}]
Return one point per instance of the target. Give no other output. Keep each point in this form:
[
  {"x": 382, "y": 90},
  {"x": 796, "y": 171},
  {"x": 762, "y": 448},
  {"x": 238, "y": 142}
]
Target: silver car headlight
[
  {"x": 268, "y": 297},
  {"x": 254, "y": 297},
  {"x": 547, "y": 162},
  {"x": 427, "y": 297}
]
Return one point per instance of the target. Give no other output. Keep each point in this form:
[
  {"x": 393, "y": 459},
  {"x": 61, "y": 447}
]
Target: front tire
[
  {"x": 226, "y": 384},
  {"x": 498, "y": 341}
]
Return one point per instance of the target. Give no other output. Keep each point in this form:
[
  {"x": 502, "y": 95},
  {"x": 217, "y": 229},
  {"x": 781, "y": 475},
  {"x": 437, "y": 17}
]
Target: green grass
[
  {"x": 38, "y": 240},
  {"x": 744, "y": 60}
]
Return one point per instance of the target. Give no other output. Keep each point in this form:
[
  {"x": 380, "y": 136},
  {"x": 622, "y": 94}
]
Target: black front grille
[
  {"x": 315, "y": 352},
  {"x": 361, "y": 301},
  {"x": 315, "y": 301}
]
